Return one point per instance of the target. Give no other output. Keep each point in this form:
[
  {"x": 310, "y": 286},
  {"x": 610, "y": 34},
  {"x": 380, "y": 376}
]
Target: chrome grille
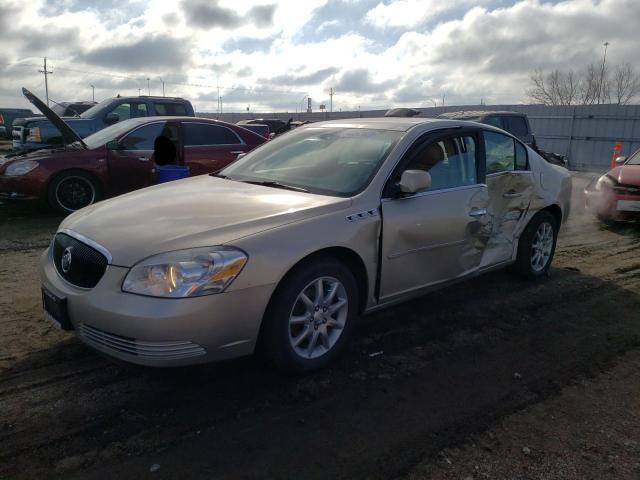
[
  {"x": 164, "y": 350},
  {"x": 86, "y": 266}
]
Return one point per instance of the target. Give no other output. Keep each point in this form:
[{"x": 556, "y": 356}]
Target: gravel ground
[
  {"x": 493, "y": 356},
  {"x": 590, "y": 431}
]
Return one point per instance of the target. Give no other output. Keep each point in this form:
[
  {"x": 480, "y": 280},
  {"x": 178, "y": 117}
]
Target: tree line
[{"x": 595, "y": 85}]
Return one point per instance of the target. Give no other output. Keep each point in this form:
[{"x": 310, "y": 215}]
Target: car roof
[
  {"x": 478, "y": 114},
  {"x": 401, "y": 124},
  {"x": 175, "y": 118}
]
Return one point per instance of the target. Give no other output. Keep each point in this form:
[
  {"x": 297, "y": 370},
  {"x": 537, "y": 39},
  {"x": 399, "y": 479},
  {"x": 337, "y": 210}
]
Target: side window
[
  {"x": 521, "y": 157},
  {"x": 451, "y": 162},
  {"x": 138, "y": 110},
  {"x": 123, "y": 110},
  {"x": 202, "y": 134},
  {"x": 499, "y": 152},
  {"x": 143, "y": 137},
  {"x": 171, "y": 109},
  {"x": 516, "y": 126}
]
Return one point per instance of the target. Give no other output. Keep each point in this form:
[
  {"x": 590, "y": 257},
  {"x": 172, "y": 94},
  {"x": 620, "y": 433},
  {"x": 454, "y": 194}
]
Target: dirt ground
[{"x": 493, "y": 378}]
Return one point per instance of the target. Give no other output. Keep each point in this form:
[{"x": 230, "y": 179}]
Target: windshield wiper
[
  {"x": 275, "y": 184},
  {"x": 216, "y": 174}
]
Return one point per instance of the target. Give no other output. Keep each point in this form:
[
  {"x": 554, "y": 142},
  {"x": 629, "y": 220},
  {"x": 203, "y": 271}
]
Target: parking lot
[{"x": 419, "y": 378}]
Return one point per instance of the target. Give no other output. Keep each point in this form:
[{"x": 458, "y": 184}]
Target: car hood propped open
[{"x": 68, "y": 135}]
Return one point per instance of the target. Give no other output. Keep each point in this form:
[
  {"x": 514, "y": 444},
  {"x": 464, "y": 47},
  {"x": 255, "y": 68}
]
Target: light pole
[
  {"x": 299, "y": 104},
  {"x": 604, "y": 61},
  {"x": 148, "y": 87},
  {"x": 162, "y": 86},
  {"x": 93, "y": 93},
  {"x": 139, "y": 91}
]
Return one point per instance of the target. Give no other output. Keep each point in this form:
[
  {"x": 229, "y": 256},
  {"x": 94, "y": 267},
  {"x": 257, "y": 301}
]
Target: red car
[
  {"x": 616, "y": 194},
  {"x": 119, "y": 158}
]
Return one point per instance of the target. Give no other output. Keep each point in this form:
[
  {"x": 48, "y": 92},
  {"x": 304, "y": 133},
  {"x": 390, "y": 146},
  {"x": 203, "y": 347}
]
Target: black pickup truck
[
  {"x": 517, "y": 124},
  {"x": 37, "y": 132}
]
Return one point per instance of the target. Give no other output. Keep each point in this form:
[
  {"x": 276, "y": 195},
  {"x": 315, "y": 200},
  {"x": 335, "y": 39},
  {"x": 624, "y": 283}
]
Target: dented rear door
[{"x": 511, "y": 185}]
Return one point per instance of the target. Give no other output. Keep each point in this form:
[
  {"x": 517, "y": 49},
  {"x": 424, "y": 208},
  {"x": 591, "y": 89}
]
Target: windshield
[
  {"x": 101, "y": 137},
  {"x": 95, "y": 110},
  {"x": 330, "y": 161},
  {"x": 635, "y": 159}
]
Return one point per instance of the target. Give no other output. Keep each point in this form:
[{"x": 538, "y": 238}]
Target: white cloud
[
  {"x": 409, "y": 13},
  {"x": 388, "y": 58}
]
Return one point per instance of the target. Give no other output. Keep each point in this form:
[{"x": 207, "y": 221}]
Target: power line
[{"x": 143, "y": 77}]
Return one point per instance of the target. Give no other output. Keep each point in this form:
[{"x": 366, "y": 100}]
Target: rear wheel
[
  {"x": 311, "y": 316},
  {"x": 73, "y": 190},
  {"x": 537, "y": 245}
]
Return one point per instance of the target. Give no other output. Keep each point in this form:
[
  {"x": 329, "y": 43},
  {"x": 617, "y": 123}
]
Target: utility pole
[
  {"x": 93, "y": 93},
  {"x": 331, "y": 100},
  {"x": 604, "y": 60},
  {"x": 162, "y": 86},
  {"x": 148, "y": 87},
  {"x": 46, "y": 83},
  {"x": 139, "y": 91}
]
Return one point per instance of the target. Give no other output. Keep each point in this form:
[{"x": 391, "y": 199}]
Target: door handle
[
  {"x": 511, "y": 195},
  {"x": 478, "y": 212},
  {"x": 237, "y": 152},
  {"x": 143, "y": 159}
]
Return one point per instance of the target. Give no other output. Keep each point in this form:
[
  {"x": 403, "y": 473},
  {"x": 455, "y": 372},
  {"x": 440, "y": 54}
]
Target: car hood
[
  {"x": 68, "y": 135},
  {"x": 626, "y": 174},
  {"x": 194, "y": 212}
]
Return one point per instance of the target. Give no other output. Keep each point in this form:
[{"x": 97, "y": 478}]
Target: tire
[
  {"x": 72, "y": 190},
  {"x": 300, "y": 335},
  {"x": 537, "y": 246}
]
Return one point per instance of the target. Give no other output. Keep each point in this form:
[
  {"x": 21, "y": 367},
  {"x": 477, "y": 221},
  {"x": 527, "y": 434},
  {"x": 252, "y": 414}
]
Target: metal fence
[{"x": 585, "y": 134}]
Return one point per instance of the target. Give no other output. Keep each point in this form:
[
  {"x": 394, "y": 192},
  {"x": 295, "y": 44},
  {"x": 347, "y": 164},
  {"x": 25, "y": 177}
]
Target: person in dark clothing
[{"x": 164, "y": 151}]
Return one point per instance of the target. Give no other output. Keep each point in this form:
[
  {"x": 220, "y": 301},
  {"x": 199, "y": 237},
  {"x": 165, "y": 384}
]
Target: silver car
[{"x": 288, "y": 245}]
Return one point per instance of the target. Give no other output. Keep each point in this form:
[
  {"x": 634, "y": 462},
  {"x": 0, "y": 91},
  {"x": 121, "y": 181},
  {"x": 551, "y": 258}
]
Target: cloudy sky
[{"x": 272, "y": 54}]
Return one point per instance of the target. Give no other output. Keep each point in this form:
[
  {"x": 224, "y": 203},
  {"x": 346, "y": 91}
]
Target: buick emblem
[{"x": 65, "y": 261}]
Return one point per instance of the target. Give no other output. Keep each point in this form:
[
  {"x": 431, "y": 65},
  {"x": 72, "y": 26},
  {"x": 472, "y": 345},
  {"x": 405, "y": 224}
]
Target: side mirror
[
  {"x": 621, "y": 160},
  {"x": 112, "y": 118},
  {"x": 414, "y": 181},
  {"x": 113, "y": 145}
]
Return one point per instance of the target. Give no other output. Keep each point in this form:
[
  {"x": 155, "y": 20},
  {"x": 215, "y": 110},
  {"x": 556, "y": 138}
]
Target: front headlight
[
  {"x": 34, "y": 135},
  {"x": 186, "y": 273},
  {"x": 20, "y": 168},
  {"x": 604, "y": 182}
]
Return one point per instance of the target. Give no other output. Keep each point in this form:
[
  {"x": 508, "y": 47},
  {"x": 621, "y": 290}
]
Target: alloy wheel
[
  {"x": 318, "y": 317},
  {"x": 75, "y": 192},
  {"x": 542, "y": 246}
]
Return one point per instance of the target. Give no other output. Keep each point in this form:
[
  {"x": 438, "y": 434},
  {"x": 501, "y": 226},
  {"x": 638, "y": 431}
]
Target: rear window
[
  {"x": 203, "y": 134},
  {"x": 516, "y": 126},
  {"x": 171, "y": 109}
]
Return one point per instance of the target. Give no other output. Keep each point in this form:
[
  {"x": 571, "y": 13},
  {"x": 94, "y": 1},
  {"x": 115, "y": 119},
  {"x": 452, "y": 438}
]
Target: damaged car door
[
  {"x": 440, "y": 233},
  {"x": 511, "y": 185}
]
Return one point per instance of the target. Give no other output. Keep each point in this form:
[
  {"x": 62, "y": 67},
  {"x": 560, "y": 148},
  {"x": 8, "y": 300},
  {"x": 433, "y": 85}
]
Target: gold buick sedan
[{"x": 288, "y": 245}]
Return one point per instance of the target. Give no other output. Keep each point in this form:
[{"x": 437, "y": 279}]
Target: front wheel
[
  {"x": 311, "y": 316},
  {"x": 73, "y": 190},
  {"x": 537, "y": 245}
]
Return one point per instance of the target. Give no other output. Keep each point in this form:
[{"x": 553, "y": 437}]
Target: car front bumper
[
  {"x": 24, "y": 187},
  {"x": 611, "y": 205},
  {"x": 159, "y": 332}
]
